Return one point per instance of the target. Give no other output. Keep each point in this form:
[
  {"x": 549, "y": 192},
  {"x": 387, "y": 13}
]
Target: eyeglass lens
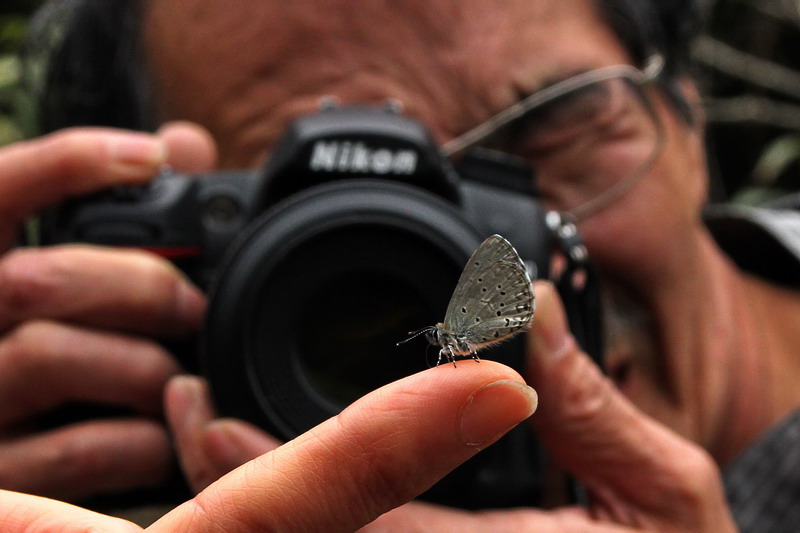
[{"x": 585, "y": 143}]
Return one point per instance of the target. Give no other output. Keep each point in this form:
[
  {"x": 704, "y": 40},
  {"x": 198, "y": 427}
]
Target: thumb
[
  {"x": 379, "y": 453},
  {"x": 629, "y": 463}
]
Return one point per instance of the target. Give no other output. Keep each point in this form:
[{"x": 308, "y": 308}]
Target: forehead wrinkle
[
  {"x": 429, "y": 60},
  {"x": 594, "y": 43},
  {"x": 434, "y": 57},
  {"x": 245, "y": 67}
]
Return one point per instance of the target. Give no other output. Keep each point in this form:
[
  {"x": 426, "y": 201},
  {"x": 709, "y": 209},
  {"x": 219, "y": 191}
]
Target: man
[{"x": 696, "y": 357}]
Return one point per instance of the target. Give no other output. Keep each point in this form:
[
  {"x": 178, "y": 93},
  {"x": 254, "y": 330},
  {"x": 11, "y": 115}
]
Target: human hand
[
  {"x": 377, "y": 454},
  {"x": 639, "y": 475},
  {"x": 77, "y": 323}
]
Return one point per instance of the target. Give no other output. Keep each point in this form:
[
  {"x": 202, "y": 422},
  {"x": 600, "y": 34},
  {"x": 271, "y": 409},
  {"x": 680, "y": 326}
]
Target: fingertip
[
  {"x": 229, "y": 443},
  {"x": 136, "y": 152},
  {"x": 494, "y": 409},
  {"x": 550, "y": 337},
  {"x": 191, "y": 147},
  {"x": 187, "y": 404}
]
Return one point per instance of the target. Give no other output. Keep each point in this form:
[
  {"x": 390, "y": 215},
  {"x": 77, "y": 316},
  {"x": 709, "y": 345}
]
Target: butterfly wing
[{"x": 493, "y": 298}]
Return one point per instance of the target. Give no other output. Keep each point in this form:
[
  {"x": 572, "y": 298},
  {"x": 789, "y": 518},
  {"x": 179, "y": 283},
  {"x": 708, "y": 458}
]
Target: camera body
[{"x": 354, "y": 233}]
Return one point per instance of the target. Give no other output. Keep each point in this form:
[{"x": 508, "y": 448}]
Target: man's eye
[
  {"x": 568, "y": 116},
  {"x": 588, "y": 113}
]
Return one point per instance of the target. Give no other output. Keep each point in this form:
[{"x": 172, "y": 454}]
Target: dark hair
[
  {"x": 85, "y": 66},
  {"x": 88, "y": 68},
  {"x": 667, "y": 27}
]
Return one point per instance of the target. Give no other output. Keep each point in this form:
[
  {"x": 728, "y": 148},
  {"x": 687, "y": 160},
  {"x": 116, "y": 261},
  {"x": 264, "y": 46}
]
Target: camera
[{"x": 352, "y": 234}]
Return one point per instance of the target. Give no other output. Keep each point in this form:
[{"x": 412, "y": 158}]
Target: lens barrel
[{"x": 312, "y": 300}]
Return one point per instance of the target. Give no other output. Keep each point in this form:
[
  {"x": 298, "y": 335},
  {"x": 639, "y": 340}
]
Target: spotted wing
[{"x": 494, "y": 298}]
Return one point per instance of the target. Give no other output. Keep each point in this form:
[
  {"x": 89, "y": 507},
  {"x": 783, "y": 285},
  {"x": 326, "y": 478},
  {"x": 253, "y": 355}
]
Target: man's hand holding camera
[{"x": 74, "y": 329}]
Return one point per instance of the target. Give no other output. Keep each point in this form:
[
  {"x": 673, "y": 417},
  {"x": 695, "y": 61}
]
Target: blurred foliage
[
  {"x": 749, "y": 72},
  {"x": 747, "y": 68},
  {"x": 15, "y": 105}
]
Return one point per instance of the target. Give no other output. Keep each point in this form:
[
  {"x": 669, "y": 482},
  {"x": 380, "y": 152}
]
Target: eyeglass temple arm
[{"x": 652, "y": 69}]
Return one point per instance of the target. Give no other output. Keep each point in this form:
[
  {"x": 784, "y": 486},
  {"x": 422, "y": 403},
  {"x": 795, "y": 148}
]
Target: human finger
[
  {"x": 127, "y": 290},
  {"x": 190, "y": 146},
  {"x": 44, "y": 365},
  {"x": 208, "y": 447},
  {"x": 419, "y": 517},
  {"x": 81, "y": 460},
  {"x": 44, "y": 172},
  {"x": 377, "y": 454},
  {"x": 636, "y": 470},
  {"x": 24, "y": 513}
]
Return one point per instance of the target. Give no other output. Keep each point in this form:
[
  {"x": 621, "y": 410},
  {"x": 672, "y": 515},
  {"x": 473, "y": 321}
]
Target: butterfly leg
[
  {"x": 474, "y": 355},
  {"x": 447, "y": 353},
  {"x": 451, "y": 357}
]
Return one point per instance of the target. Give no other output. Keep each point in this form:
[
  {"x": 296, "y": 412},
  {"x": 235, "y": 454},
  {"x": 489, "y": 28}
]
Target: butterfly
[{"x": 492, "y": 302}]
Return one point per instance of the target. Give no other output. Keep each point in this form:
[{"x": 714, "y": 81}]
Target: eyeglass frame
[{"x": 652, "y": 70}]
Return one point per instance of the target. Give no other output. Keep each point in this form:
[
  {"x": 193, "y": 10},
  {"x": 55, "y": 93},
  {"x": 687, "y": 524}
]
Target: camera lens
[
  {"x": 349, "y": 352},
  {"x": 331, "y": 335},
  {"x": 307, "y": 312}
]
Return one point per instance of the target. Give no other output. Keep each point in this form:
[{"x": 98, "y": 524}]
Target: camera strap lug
[{"x": 578, "y": 285}]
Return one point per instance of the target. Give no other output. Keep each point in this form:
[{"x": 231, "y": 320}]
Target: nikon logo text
[{"x": 335, "y": 156}]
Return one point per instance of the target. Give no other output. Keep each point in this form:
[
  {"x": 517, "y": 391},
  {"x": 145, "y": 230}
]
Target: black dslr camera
[{"x": 352, "y": 235}]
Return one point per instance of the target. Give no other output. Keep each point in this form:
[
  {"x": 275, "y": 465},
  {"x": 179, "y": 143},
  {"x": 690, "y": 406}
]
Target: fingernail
[
  {"x": 139, "y": 151},
  {"x": 550, "y": 334},
  {"x": 494, "y": 409},
  {"x": 187, "y": 398}
]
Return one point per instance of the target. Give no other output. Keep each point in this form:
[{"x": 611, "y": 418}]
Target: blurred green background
[
  {"x": 748, "y": 67},
  {"x": 15, "y": 108}
]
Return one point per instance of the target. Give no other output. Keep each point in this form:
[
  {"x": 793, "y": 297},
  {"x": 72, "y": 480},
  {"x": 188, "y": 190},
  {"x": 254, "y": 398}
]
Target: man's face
[{"x": 244, "y": 69}]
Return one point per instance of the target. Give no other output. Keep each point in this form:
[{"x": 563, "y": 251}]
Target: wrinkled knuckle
[
  {"x": 72, "y": 456},
  {"x": 88, "y": 456},
  {"x": 388, "y": 484},
  {"x": 158, "y": 277},
  {"x": 690, "y": 483},
  {"x": 203, "y": 506},
  {"x": 154, "y": 364},
  {"x": 205, "y": 509},
  {"x": 697, "y": 476},
  {"x": 385, "y": 479},
  {"x": 16, "y": 350},
  {"x": 74, "y": 151},
  {"x": 585, "y": 392},
  {"x": 24, "y": 283}
]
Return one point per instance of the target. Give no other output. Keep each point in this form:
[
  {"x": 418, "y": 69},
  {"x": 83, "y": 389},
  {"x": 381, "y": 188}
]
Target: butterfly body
[{"x": 493, "y": 301}]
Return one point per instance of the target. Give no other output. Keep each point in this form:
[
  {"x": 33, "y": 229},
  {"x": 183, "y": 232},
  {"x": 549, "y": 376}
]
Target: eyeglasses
[{"x": 590, "y": 137}]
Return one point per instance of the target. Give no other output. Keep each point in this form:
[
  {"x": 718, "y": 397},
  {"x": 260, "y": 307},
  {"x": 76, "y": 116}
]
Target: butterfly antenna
[{"x": 415, "y": 334}]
